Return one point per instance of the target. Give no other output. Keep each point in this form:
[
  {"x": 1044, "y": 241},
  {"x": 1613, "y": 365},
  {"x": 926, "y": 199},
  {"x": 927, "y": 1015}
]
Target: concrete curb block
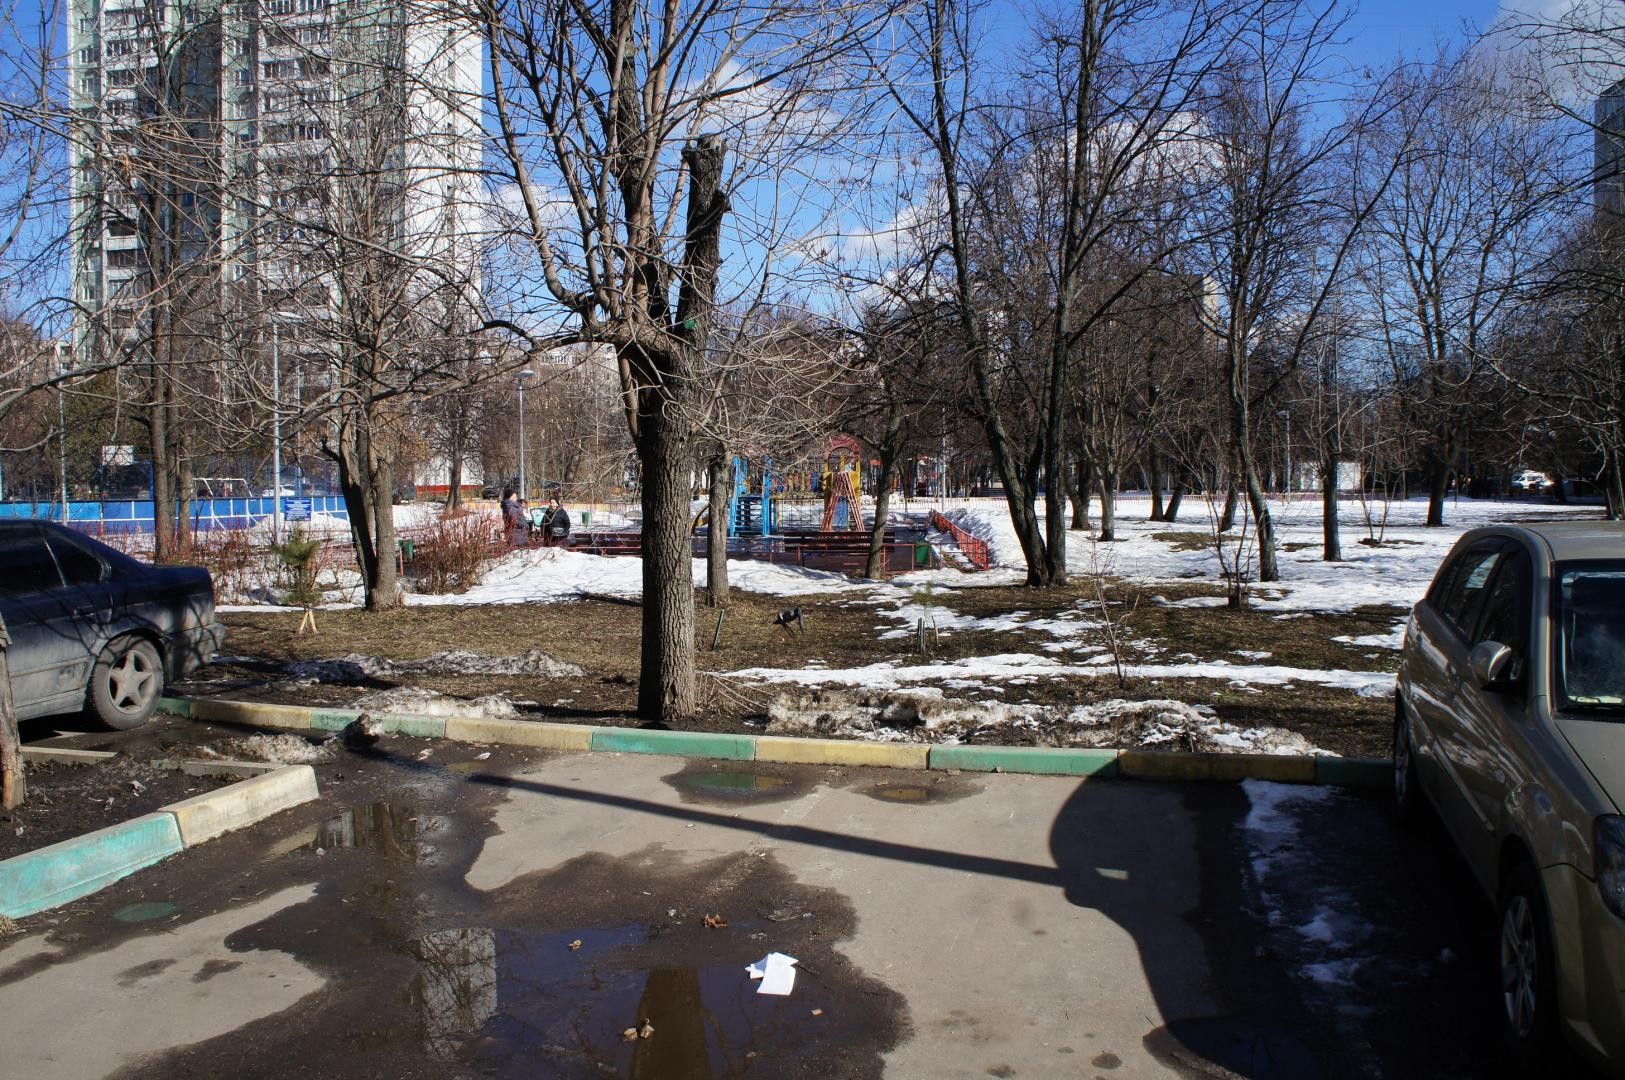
[
  {"x": 207, "y": 816},
  {"x": 1355, "y": 772},
  {"x": 64, "y": 755},
  {"x": 1154, "y": 765},
  {"x": 37, "y": 880},
  {"x": 702, "y": 744},
  {"x": 250, "y": 712},
  {"x": 521, "y": 733},
  {"x": 234, "y": 769},
  {"x": 1044, "y": 760},
  {"x": 841, "y": 752}
]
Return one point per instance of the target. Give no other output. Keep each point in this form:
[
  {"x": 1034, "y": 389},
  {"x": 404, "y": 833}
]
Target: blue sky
[{"x": 1378, "y": 31}]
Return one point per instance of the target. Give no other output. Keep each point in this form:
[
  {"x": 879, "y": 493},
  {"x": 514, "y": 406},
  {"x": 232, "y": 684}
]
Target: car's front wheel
[
  {"x": 1528, "y": 971},
  {"x": 126, "y": 683}
]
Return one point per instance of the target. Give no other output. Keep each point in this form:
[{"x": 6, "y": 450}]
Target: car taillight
[{"x": 1608, "y": 846}]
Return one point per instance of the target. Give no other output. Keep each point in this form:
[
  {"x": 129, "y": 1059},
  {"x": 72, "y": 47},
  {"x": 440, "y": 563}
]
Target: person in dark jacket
[
  {"x": 555, "y": 523},
  {"x": 513, "y": 518}
]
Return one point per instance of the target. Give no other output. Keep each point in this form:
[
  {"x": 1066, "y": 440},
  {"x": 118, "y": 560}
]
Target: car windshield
[{"x": 1589, "y": 643}]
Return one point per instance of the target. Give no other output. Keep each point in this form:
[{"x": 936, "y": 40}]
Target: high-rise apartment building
[
  {"x": 226, "y": 151},
  {"x": 1609, "y": 153}
]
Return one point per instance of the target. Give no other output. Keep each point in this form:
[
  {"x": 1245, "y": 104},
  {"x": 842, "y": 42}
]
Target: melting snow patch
[
  {"x": 1334, "y": 974},
  {"x": 355, "y": 668},
  {"x": 280, "y": 749},
  {"x": 927, "y": 715},
  {"x": 1394, "y": 639},
  {"x": 407, "y": 699}
]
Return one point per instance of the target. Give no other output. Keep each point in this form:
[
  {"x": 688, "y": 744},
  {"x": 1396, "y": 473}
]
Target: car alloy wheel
[
  {"x": 1520, "y": 966},
  {"x": 127, "y": 682},
  {"x": 1528, "y": 971}
]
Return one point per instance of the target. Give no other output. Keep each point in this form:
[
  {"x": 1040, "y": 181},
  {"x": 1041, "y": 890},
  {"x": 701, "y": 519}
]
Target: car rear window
[
  {"x": 26, "y": 565},
  {"x": 79, "y": 566}
]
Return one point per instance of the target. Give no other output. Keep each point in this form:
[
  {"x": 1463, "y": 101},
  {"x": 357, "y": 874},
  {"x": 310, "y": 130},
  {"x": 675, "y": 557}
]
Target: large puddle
[
  {"x": 387, "y": 827},
  {"x": 562, "y": 1004},
  {"x": 732, "y": 785}
]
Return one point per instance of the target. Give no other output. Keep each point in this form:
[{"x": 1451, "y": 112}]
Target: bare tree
[
  {"x": 365, "y": 262},
  {"x": 628, "y": 130},
  {"x": 1453, "y": 240},
  {"x": 1110, "y": 97}
]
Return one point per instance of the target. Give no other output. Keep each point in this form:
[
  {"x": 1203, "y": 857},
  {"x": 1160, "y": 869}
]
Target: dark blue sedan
[{"x": 93, "y": 629}]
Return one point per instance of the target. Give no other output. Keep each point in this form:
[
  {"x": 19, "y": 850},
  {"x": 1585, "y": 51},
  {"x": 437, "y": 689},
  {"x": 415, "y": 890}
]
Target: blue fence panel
[{"x": 136, "y": 515}]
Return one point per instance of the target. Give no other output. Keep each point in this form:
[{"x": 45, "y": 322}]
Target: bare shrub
[
  {"x": 232, "y": 559},
  {"x": 451, "y": 555}
]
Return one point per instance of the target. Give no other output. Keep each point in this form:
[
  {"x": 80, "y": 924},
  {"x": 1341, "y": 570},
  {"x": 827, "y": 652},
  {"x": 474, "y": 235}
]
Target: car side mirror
[{"x": 1491, "y": 665}]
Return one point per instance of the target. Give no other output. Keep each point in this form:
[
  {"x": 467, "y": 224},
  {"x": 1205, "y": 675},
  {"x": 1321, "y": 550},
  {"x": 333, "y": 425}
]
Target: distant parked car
[
  {"x": 1510, "y": 719},
  {"x": 1530, "y": 482},
  {"x": 93, "y": 629}
]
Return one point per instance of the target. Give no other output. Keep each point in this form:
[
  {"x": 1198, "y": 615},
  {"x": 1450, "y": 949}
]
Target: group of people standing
[{"x": 550, "y": 528}]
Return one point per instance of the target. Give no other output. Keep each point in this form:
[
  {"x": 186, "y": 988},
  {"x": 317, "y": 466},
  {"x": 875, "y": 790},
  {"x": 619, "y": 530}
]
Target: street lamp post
[{"x": 524, "y": 491}]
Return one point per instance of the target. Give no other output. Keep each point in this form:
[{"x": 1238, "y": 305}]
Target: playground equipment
[
  {"x": 750, "y": 513},
  {"x": 843, "y": 486}
]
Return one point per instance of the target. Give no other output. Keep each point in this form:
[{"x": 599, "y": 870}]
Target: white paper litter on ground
[{"x": 777, "y": 972}]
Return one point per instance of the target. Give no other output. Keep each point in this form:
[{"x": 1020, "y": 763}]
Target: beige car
[{"x": 1510, "y": 717}]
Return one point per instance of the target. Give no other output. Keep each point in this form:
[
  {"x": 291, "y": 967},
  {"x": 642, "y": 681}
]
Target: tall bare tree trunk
[
  {"x": 716, "y": 543},
  {"x": 383, "y": 587},
  {"x": 663, "y": 434},
  {"x": 875, "y": 565},
  {"x": 454, "y": 494},
  {"x": 1157, "y": 509},
  {"x": 1438, "y": 486},
  {"x": 1613, "y": 485},
  {"x": 13, "y": 786},
  {"x": 1331, "y": 534},
  {"x": 666, "y": 683},
  {"x": 1176, "y": 495},
  {"x": 1082, "y": 490},
  {"x": 1227, "y": 517},
  {"x": 1108, "y": 503}
]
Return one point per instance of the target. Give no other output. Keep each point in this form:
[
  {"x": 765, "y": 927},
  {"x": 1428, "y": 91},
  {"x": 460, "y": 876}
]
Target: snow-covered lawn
[{"x": 1155, "y": 558}]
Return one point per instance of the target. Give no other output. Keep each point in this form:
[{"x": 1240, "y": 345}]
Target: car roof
[{"x": 1577, "y": 540}]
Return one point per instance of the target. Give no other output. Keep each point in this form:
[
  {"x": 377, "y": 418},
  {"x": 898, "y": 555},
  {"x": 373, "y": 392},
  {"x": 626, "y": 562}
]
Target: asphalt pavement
[{"x": 526, "y": 914}]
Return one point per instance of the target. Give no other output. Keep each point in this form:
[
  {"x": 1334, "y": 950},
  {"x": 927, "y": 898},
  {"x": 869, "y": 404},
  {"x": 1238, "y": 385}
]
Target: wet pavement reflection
[
  {"x": 386, "y": 827},
  {"x": 561, "y": 1004},
  {"x": 732, "y": 785}
]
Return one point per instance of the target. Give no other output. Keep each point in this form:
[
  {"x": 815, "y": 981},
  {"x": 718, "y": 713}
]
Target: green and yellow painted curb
[
  {"x": 49, "y": 876},
  {"x": 1064, "y": 761}
]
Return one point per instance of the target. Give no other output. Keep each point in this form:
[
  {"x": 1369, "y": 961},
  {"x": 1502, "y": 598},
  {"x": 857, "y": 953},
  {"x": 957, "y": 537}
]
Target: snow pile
[
  {"x": 411, "y": 700},
  {"x": 885, "y": 716},
  {"x": 280, "y": 749},
  {"x": 465, "y": 662},
  {"x": 349, "y": 668},
  {"x": 355, "y": 667},
  {"x": 1163, "y": 724},
  {"x": 926, "y": 715}
]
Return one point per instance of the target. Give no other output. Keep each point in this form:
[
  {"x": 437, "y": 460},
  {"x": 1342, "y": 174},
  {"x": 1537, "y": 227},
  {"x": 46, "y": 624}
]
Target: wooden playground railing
[{"x": 974, "y": 547}]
